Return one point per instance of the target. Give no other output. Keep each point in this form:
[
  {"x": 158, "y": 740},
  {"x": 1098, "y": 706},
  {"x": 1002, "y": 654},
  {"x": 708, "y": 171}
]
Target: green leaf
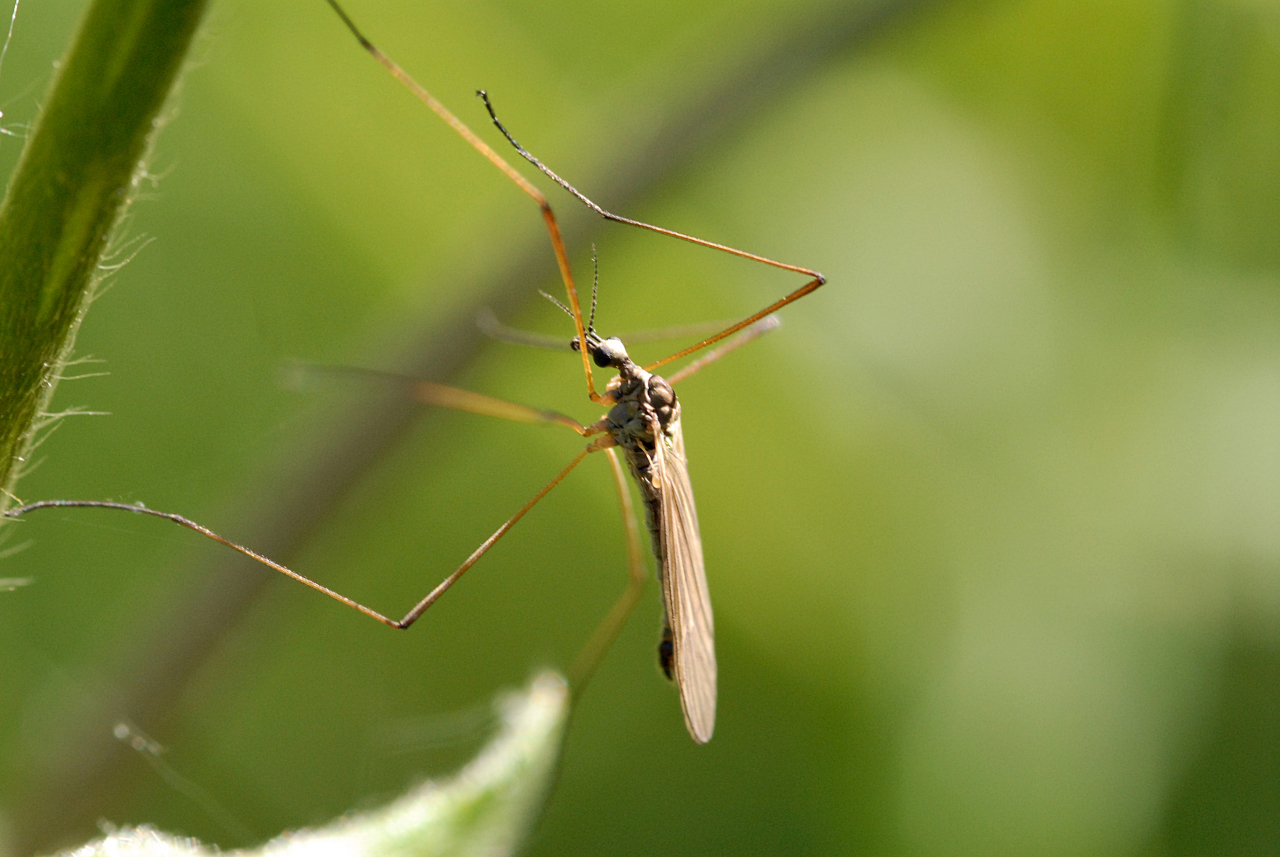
[{"x": 486, "y": 809}]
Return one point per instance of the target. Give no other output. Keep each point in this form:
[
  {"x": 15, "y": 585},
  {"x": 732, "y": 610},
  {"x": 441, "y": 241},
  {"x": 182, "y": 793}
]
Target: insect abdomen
[{"x": 667, "y": 653}]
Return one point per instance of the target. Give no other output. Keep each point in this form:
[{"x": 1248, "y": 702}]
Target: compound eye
[{"x": 610, "y": 352}]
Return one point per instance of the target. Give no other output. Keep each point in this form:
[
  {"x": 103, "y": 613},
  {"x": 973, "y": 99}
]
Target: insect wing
[{"x": 684, "y": 590}]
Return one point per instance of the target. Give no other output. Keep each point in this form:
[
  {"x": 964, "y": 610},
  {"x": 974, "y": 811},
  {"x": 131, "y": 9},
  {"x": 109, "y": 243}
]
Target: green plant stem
[{"x": 70, "y": 190}]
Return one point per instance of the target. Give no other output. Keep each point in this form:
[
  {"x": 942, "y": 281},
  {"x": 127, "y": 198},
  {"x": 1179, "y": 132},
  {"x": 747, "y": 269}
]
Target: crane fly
[{"x": 642, "y": 420}]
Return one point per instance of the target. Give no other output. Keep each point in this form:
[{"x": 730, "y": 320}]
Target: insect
[{"x": 642, "y": 421}]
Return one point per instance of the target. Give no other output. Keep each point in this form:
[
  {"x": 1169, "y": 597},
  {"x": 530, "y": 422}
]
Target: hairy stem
[{"x": 70, "y": 190}]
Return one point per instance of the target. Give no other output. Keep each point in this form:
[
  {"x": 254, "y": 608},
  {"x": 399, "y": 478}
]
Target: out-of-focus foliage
[
  {"x": 992, "y": 523},
  {"x": 487, "y": 809}
]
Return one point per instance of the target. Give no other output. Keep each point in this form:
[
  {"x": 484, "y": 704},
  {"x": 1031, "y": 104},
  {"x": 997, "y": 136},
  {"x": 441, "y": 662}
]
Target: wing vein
[{"x": 684, "y": 587}]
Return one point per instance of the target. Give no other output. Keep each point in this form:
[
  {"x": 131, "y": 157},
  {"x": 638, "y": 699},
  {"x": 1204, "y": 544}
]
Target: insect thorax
[{"x": 644, "y": 402}]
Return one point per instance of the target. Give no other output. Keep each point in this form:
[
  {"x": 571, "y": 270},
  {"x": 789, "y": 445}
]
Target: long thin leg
[
  {"x": 553, "y": 228},
  {"x": 817, "y": 278},
  {"x": 760, "y": 328},
  {"x": 746, "y": 322},
  {"x": 409, "y": 618},
  {"x": 618, "y": 218},
  {"x": 421, "y": 606},
  {"x": 607, "y": 631}
]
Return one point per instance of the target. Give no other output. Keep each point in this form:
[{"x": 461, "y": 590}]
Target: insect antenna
[
  {"x": 595, "y": 294},
  {"x": 595, "y": 289},
  {"x": 551, "y": 298}
]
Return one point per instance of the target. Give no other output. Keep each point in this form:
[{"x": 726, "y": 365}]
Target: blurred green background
[{"x": 992, "y": 523}]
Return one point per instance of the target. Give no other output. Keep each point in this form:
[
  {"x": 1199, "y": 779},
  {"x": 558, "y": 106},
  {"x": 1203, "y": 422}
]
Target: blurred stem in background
[{"x": 1221, "y": 122}]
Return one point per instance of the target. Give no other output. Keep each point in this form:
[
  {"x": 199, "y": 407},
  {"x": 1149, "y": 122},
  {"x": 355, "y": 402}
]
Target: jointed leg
[
  {"x": 816, "y": 280},
  {"x": 408, "y": 619},
  {"x": 760, "y": 328},
  {"x": 745, "y": 323},
  {"x": 617, "y": 218},
  {"x": 553, "y": 228},
  {"x": 421, "y": 606}
]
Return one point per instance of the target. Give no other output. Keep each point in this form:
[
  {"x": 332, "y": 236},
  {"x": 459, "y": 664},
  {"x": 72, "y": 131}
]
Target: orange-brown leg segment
[
  {"x": 421, "y": 606},
  {"x": 553, "y": 228},
  {"x": 408, "y": 619},
  {"x": 760, "y": 328},
  {"x": 816, "y": 279},
  {"x": 745, "y": 323}
]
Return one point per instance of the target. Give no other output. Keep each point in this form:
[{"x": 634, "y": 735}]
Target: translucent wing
[{"x": 684, "y": 590}]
